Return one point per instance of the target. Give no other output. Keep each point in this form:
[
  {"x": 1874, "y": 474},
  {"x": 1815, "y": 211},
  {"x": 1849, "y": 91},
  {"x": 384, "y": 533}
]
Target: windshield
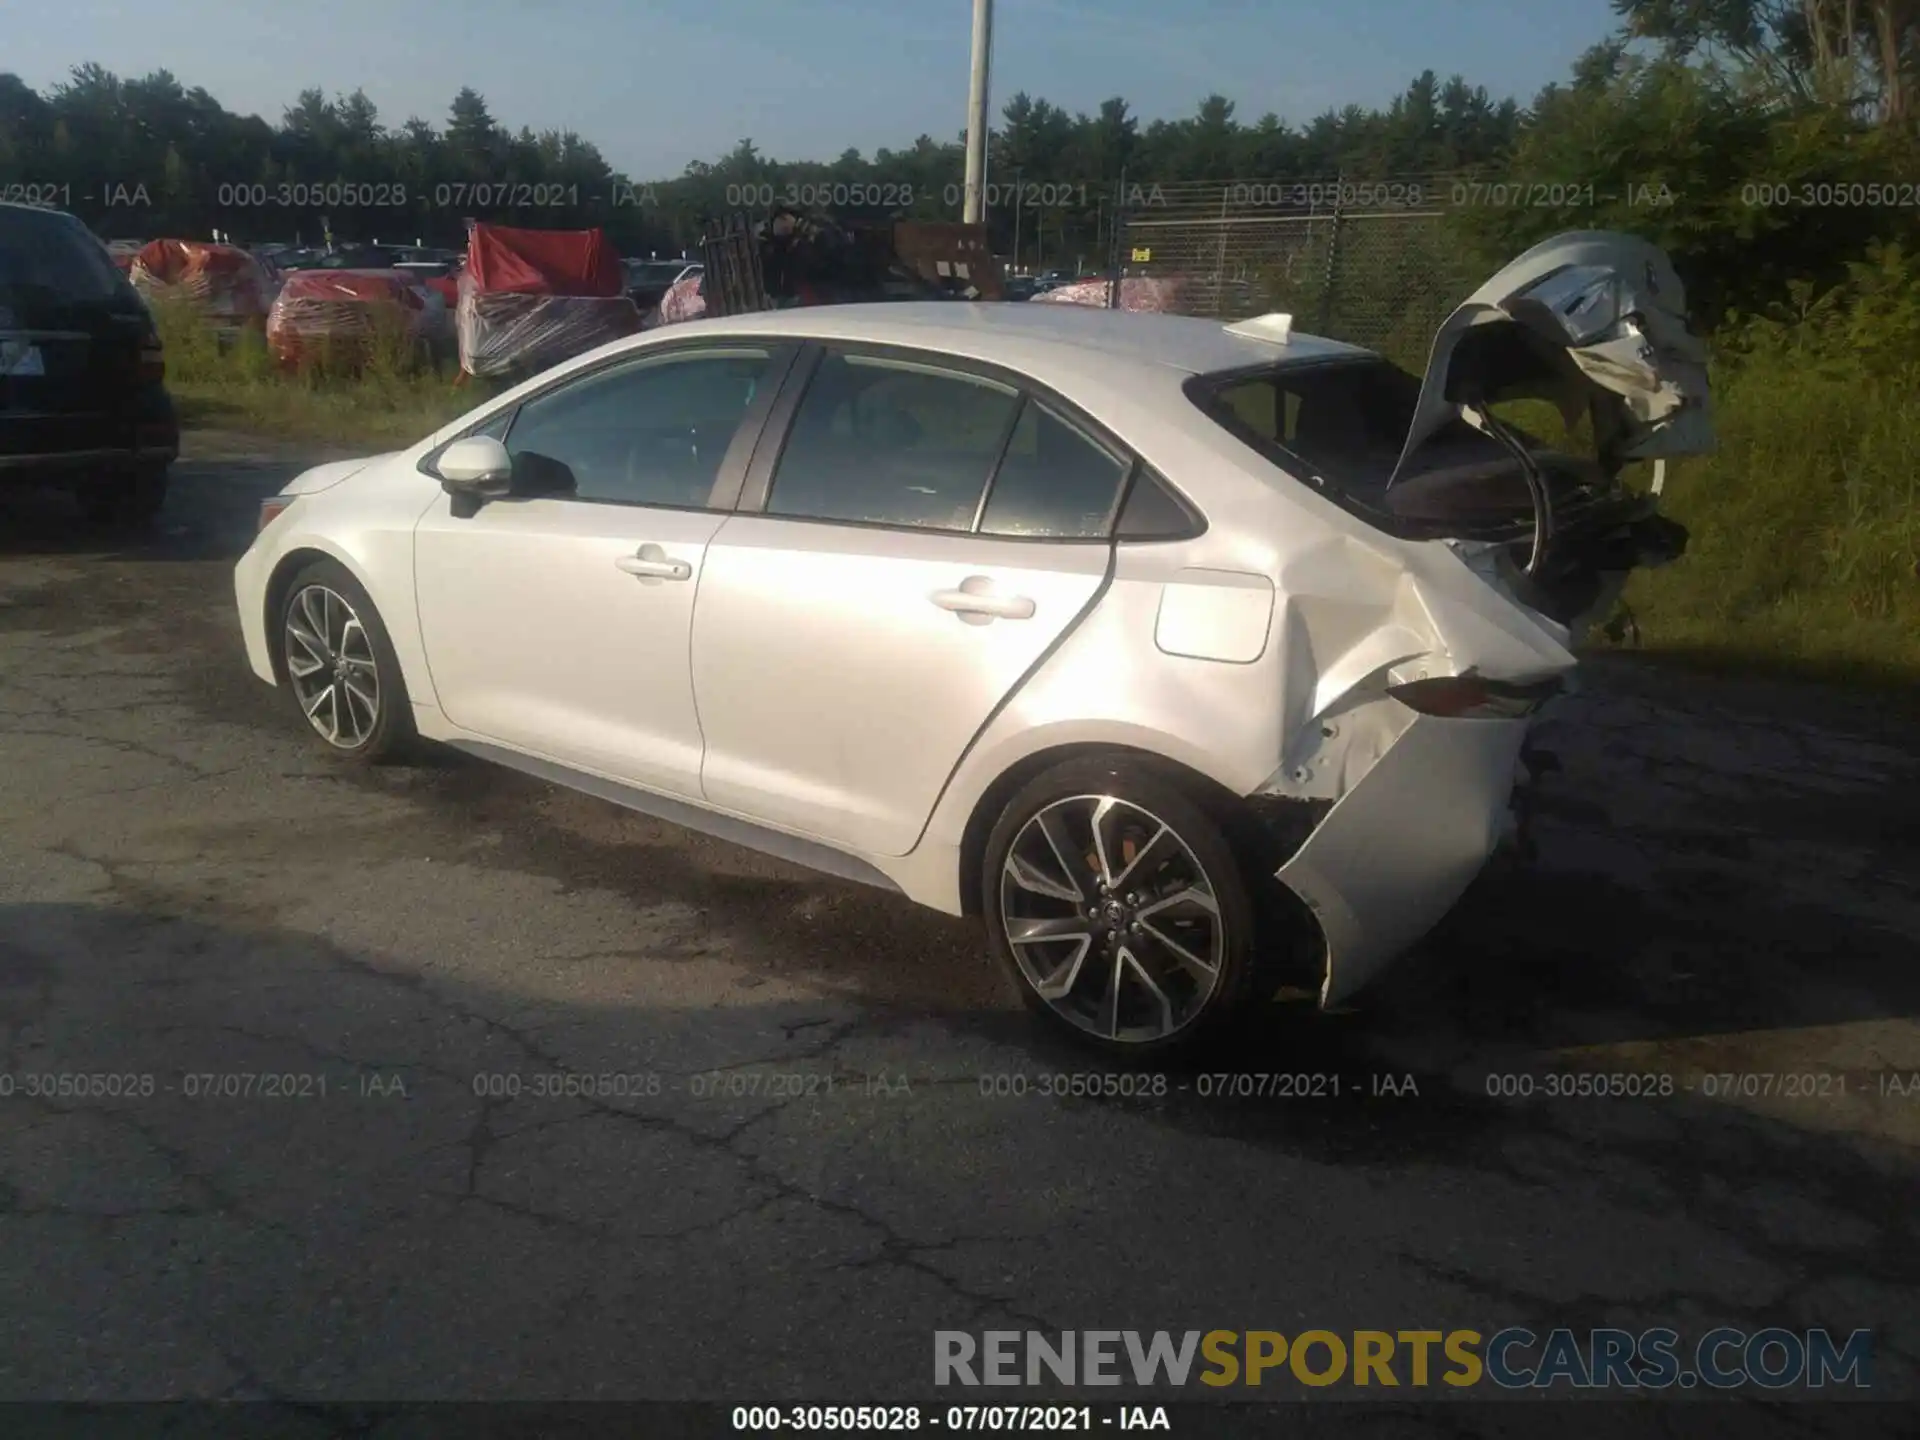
[
  {"x": 45, "y": 255},
  {"x": 654, "y": 272}
]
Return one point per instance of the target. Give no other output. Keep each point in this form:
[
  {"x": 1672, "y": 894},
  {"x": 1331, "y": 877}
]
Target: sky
[{"x": 657, "y": 85}]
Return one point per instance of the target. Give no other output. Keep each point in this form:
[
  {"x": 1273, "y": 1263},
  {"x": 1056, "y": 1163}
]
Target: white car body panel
[
  {"x": 835, "y": 694},
  {"x": 802, "y": 678},
  {"x": 537, "y": 640},
  {"x": 365, "y": 521},
  {"x": 1220, "y": 615}
]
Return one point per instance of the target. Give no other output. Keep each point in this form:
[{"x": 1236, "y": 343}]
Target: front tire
[
  {"x": 1117, "y": 905},
  {"x": 340, "y": 667}
]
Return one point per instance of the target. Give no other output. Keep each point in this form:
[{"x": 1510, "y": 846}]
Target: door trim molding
[{"x": 811, "y": 854}]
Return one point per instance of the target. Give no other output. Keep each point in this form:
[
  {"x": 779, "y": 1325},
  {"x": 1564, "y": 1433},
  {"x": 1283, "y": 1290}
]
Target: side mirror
[{"x": 473, "y": 471}]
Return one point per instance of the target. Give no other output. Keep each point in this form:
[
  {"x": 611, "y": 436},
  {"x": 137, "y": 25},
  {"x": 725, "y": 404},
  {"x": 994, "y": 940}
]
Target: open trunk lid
[{"x": 1594, "y": 322}]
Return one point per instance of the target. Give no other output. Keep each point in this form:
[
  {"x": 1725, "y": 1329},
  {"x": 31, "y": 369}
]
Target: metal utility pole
[
  {"x": 1016, "y": 218},
  {"x": 977, "y": 124}
]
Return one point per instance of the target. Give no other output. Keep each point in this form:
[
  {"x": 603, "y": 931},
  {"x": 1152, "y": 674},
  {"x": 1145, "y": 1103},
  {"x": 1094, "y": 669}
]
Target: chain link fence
[{"x": 1371, "y": 263}]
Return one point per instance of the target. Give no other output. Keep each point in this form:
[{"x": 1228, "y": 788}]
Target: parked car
[
  {"x": 426, "y": 262},
  {"x": 649, "y": 280},
  {"x": 83, "y": 397},
  {"x": 358, "y": 257},
  {"x": 1196, "y": 659}
]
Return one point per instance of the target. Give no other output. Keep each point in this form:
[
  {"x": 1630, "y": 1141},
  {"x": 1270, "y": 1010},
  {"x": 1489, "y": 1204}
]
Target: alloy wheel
[
  {"x": 331, "y": 666},
  {"x": 1112, "y": 918}
]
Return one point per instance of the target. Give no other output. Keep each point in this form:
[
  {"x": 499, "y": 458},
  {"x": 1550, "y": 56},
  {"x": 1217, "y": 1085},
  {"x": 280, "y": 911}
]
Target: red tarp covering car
[
  {"x": 342, "y": 314},
  {"x": 505, "y": 260},
  {"x": 532, "y": 298},
  {"x": 229, "y": 285}
]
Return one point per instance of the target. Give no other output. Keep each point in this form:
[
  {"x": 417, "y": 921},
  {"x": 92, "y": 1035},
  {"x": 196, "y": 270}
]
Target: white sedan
[{"x": 1196, "y": 659}]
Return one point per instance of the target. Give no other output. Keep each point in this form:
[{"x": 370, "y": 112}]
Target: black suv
[{"x": 83, "y": 399}]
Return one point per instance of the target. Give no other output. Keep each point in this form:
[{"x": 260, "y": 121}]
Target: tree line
[
  {"x": 139, "y": 158},
  {"x": 1777, "y": 134}
]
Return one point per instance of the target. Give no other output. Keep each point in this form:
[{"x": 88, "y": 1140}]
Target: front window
[{"x": 650, "y": 433}]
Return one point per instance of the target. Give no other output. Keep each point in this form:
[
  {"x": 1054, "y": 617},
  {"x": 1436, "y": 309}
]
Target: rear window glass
[
  {"x": 45, "y": 255},
  {"x": 1347, "y": 422}
]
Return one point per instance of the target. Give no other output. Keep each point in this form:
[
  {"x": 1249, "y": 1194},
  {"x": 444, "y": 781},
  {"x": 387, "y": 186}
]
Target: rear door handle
[
  {"x": 650, "y": 562},
  {"x": 974, "y": 602}
]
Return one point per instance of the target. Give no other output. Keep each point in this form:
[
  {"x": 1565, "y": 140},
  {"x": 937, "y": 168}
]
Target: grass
[
  {"x": 385, "y": 395},
  {"x": 1805, "y": 550}
]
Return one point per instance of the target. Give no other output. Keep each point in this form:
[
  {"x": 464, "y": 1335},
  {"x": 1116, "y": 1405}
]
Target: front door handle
[
  {"x": 975, "y": 602},
  {"x": 650, "y": 562}
]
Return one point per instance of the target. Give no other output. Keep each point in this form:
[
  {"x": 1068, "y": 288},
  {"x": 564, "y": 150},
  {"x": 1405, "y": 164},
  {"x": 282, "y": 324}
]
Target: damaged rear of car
[
  {"x": 1411, "y": 687},
  {"x": 1592, "y": 323}
]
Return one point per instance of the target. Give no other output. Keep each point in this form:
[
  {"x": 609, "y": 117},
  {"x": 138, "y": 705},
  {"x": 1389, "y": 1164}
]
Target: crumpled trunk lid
[{"x": 1594, "y": 322}]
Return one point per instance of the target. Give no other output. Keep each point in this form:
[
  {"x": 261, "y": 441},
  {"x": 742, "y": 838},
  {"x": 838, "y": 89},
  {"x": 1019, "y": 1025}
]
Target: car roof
[
  {"x": 998, "y": 330},
  {"x": 37, "y": 209}
]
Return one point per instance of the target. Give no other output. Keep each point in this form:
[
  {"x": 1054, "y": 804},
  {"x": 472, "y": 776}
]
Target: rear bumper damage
[
  {"x": 1411, "y": 690},
  {"x": 1397, "y": 850}
]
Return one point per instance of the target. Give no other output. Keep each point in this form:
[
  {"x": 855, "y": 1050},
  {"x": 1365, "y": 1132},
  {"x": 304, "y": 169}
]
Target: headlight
[{"x": 271, "y": 509}]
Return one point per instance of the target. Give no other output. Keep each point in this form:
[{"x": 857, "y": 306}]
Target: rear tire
[
  {"x": 1138, "y": 943},
  {"x": 124, "y": 502},
  {"x": 340, "y": 667}
]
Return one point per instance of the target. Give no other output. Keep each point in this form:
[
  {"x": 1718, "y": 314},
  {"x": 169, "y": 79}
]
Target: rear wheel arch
[
  {"x": 1208, "y": 793},
  {"x": 1289, "y": 938}
]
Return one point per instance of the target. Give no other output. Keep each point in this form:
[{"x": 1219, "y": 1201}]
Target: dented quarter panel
[{"x": 1354, "y": 621}]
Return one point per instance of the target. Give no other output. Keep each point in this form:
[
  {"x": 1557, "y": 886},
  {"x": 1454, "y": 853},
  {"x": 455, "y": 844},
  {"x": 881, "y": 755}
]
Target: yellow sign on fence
[{"x": 1141, "y": 254}]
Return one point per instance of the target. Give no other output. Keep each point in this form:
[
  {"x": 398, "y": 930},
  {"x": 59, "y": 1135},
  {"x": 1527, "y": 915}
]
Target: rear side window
[
  {"x": 1053, "y": 483},
  {"x": 46, "y": 255},
  {"x": 888, "y": 442},
  {"x": 1152, "y": 513}
]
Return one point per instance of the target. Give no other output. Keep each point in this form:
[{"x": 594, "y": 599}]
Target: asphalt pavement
[{"x": 539, "y": 1099}]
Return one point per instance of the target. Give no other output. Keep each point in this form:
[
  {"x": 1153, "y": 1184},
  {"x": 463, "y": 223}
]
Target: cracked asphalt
[{"x": 787, "y": 1177}]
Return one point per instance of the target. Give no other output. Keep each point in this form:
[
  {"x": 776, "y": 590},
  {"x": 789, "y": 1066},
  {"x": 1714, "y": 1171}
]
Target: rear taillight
[
  {"x": 1474, "y": 697},
  {"x": 271, "y": 509},
  {"x": 153, "y": 361}
]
